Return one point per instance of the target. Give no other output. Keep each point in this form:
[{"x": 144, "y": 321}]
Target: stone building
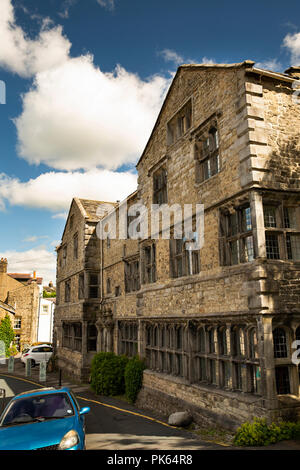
[
  {"x": 217, "y": 326},
  {"x": 22, "y": 298}
]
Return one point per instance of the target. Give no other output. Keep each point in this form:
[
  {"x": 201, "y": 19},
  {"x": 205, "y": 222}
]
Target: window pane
[
  {"x": 272, "y": 246},
  {"x": 289, "y": 217},
  {"x": 279, "y": 341},
  {"x": 282, "y": 380},
  {"x": 270, "y": 216},
  {"x": 293, "y": 246}
]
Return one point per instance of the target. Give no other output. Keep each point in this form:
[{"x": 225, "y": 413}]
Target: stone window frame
[
  {"x": 127, "y": 338},
  {"x": 179, "y": 255},
  {"x": 17, "y": 323},
  {"x": 285, "y": 361},
  {"x": 207, "y": 153},
  {"x": 108, "y": 286},
  {"x": 160, "y": 185},
  {"x": 67, "y": 335},
  {"x": 68, "y": 284},
  {"x": 64, "y": 255},
  {"x": 93, "y": 287},
  {"x": 77, "y": 339},
  {"x": 235, "y": 229},
  {"x": 92, "y": 336},
  {"x": 180, "y": 123},
  {"x": 148, "y": 262},
  {"x": 81, "y": 286},
  {"x": 277, "y": 233},
  {"x": 166, "y": 348},
  {"x": 241, "y": 373},
  {"x": 132, "y": 274},
  {"x": 75, "y": 245}
]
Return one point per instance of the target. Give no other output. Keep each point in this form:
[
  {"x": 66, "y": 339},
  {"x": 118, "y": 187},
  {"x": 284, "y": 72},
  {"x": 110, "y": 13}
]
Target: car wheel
[{"x": 33, "y": 363}]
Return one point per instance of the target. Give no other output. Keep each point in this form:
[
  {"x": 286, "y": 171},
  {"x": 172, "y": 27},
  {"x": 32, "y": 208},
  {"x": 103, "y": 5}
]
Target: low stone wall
[{"x": 208, "y": 405}]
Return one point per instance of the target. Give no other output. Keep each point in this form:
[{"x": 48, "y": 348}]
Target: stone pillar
[
  {"x": 266, "y": 356},
  {"x": 257, "y": 214}
]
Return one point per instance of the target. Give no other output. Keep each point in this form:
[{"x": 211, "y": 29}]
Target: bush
[
  {"x": 107, "y": 374},
  {"x": 133, "y": 378},
  {"x": 258, "y": 433},
  {"x": 6, "y": 334}
]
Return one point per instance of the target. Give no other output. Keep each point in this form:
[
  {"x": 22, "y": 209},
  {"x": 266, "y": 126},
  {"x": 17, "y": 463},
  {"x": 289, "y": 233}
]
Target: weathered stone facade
[
  {"x": 217, "y": 329},
  {"x": 21, "y": 301}
]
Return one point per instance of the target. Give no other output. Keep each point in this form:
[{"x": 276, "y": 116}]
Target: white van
[{"x": 37, "y": 354}]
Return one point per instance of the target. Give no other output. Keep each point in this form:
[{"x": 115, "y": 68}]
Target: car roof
[{"x": 41, "y": 391}]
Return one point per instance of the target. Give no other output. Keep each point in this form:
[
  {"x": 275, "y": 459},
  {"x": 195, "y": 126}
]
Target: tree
[{"x": 6, "y": 333}]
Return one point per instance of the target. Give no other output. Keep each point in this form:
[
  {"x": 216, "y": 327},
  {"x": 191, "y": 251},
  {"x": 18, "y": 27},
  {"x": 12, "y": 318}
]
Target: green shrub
[
  {"x": 133, "y": 378},
  {"x": 6, "y": 334},
  {"x": 107, "y": 374},
  {"x": 259, "y": 433}
]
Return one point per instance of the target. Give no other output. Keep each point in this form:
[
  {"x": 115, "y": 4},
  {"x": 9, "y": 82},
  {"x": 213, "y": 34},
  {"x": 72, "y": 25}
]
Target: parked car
[
  {"x": 44, "y": 419},
  {"x": 37, "y": 354}
]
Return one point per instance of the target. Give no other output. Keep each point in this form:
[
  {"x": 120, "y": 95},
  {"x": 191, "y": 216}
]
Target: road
[{"x": 114, "y": 425}]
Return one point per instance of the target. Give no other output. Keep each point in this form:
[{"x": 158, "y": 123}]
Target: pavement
[{"x": 131, "y": 428}]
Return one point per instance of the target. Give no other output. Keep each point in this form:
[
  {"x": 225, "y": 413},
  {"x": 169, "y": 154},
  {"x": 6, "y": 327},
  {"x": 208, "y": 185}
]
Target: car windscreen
[{"x": 38, "y": 408}]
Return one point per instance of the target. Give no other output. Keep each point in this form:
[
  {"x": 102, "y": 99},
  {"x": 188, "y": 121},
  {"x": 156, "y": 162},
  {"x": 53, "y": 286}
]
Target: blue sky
[{"x": 84, "y": 83}]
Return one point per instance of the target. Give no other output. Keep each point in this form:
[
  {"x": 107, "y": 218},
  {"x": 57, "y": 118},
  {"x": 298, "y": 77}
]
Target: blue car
[{"x": 44, "y": 419}]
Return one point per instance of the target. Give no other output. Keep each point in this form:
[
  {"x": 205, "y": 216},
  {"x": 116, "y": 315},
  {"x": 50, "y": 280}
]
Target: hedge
[{"x": 259, "y": 433}]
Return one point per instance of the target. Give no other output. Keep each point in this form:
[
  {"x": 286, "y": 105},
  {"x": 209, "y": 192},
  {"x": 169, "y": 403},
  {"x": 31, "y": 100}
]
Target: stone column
[
  {"x": 258, "y": 225},
  {"x": 266, "y": 356}
]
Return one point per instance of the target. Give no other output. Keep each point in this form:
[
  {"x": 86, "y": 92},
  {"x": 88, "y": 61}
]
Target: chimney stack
[
  {"x": 3, "y": 265},
  {"x": 293, "y": 71}
]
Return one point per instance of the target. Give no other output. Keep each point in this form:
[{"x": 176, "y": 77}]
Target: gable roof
[
  {"x": 247, "y": 64},
  {"x": 7, "y": 307}
]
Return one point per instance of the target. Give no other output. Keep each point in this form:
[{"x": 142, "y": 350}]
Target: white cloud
[
  {"x": 25, "y": 56},
  {"x": 37, "y": 259},
  {"x": 75, "y": 116},
  {"x": 170, "y": 55},
  {"x": 109, "y": 4},
  {"x": 60, "y": 215},
  {"x": 292, "y": 43},
  {"x": 34, "y": 238},
  {"x": 54, "y": 191},
  {"x": 270, "y": 64}
]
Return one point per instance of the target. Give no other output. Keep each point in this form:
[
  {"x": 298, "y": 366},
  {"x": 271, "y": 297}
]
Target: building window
[
  {"x": 77, "y": 337},
  {"x": 92, "y": 334},
  {"x": 149, "y": 263},
  {"x": 160, "y": 194},
  {"x": 93, "y": 285},
  {"x": 17, "y": 341},
  {"x": 128, "y": 338},
  {"x": 108, "y": 285},
  {"x": 207, "y": 155},
  {"x": 75, "y": 246},
  {"x": 222, "y": 341},
  {"x": 180, "y": 123},
  {"x": 183, "y": 262},
  {"x": 132, "y": 275},
  {"x": 117, "y": 291},
  {"x": 282, "y": 231},
  {"x": 17, "y": 323},
  {"x": 71, "y": 221},
  {"x": 238, "y": 383},
  {"x": 81, "y": 286},
  {"x": 45, "y": 309},
  {"x": 68, "y": 290},
  {"x": 67, "y": 339},
  {"x": 272, "y": 246},
  {"x": 282, "y": 380},
  {"x": 64, "y": 255},
  {"x": 280, "y": 343},
  {"x": 236, "y": 239}
]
